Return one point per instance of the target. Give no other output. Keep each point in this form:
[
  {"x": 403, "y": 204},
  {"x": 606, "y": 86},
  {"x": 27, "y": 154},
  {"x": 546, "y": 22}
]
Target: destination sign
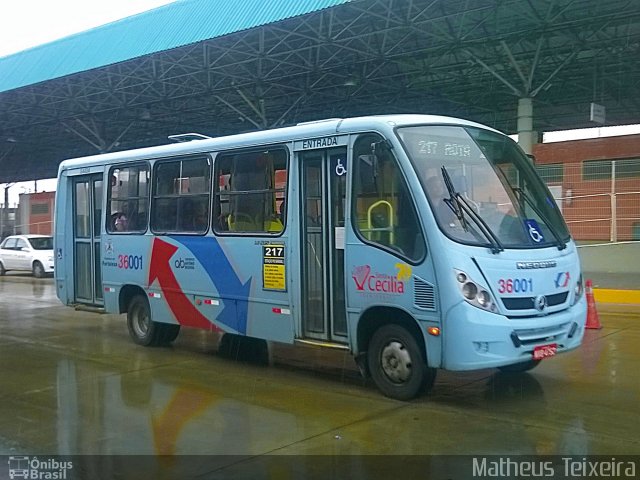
[{"x": 324, "y": 142}]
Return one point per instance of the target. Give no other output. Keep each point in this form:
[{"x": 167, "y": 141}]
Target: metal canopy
[{"x": 466, "y": 58}]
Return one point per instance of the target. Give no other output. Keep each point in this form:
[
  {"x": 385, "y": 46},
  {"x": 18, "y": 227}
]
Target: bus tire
[
  {"x": 142, "y": 329},
  {"x": 38, "y": 270},
  {"x": 520, "y": 367},
  {"x": 397, "y": 364}
]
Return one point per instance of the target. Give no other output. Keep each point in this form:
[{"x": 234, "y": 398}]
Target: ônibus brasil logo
[
  {"x": 380, "y": 282},
  {"x": 38, "y": 469}
]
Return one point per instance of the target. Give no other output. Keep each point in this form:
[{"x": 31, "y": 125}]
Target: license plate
[{"x": 544, "y": 351}]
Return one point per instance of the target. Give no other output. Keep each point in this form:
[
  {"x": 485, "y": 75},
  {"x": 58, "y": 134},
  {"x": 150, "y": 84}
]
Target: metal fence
[
  {"x": 10, "y": 228},
  {"x": 600, "y": 199}
]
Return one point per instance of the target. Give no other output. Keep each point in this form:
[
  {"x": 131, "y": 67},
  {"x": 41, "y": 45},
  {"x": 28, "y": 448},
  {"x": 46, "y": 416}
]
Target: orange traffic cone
[{"x": 593, "y": 321}]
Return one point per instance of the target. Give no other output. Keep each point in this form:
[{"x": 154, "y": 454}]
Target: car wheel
[
  {"x": 38, "y": 270},
  {"x": 2, "y": 270},
  {"x": 397, "y": 364}
]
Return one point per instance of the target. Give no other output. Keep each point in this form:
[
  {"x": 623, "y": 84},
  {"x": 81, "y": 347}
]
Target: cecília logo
[{"x": 376, "y": 282}]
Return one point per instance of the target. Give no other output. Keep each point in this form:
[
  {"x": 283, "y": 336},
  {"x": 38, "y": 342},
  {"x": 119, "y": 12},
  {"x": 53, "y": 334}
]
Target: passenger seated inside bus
[
  {"x": 194, "y": 214},
  {"x": 120, "y": 222}
]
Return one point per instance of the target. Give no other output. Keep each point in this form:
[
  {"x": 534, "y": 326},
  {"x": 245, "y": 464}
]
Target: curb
[{"x": 605, "y": 295}]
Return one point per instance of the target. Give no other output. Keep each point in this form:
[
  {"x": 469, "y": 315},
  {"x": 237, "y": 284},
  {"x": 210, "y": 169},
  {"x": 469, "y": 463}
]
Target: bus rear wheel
[
  {"x": 143, "y": 330},
  {"x": 397, "y": 364}
]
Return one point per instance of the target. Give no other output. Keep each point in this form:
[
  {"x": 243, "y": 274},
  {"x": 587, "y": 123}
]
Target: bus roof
[{"x": 302, "y": 131}]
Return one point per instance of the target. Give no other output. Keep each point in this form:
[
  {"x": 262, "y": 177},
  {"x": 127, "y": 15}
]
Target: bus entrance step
[
  {"x": 89, "y": 308},
  {"x": 319, "y": 343}
]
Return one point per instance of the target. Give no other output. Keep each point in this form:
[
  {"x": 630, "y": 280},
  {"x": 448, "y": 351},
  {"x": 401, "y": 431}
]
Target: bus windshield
[{"x": 483, "y": 189}]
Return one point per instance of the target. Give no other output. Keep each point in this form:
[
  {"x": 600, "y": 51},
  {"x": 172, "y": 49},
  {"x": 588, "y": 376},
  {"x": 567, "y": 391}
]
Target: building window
[
  {"x": 251, "y": 191},
  {"x": 128, "y": 199},
  {"x": 181, "y": 196},
  {"x": 39, "y": 209},
  {"x": 551, "y": 172}
]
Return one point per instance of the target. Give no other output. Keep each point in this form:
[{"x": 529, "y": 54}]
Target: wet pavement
[{"x": 73, "y": 383}]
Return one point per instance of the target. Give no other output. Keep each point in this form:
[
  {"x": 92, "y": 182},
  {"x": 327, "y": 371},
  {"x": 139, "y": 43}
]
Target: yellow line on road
[{"x": 605, "y": 295}]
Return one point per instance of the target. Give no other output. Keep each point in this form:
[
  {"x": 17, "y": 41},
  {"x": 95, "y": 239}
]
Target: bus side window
[
  {"x": 250, "y": 187},
  {"x": 128, "y": 199},
  {"x": 180, "y": 200},
  {"x": 383, "y": 211}
]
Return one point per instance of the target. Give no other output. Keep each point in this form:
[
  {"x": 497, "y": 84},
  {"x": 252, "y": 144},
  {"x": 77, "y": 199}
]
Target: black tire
[
  {"x": 142, "y": 329},
  {"x": 397, "y": 363},
  {"x": 2, "y": 270},
  {"x": 38, "y": 270},
  {"x": 520, "y": 367}
]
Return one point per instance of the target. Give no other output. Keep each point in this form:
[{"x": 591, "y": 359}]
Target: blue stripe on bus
[{"x": 215, "y": 262}]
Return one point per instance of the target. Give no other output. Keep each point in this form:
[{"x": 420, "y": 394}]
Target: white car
[{"x": 31, "y": 253}]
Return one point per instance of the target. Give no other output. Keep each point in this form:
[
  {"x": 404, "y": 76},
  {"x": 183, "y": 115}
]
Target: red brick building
[
  {"x": 600, "y": 185},
  {"x": 36, "y": 213}
]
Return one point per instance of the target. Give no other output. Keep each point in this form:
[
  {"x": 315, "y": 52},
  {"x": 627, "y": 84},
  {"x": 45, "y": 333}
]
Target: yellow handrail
[{"x": 391, "y": 223}]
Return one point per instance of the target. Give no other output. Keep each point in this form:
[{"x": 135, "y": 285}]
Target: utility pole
[{"x": 4, "y": 214}]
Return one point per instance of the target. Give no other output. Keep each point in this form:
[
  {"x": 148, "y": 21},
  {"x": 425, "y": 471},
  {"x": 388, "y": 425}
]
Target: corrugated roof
[{"x": 170, "y": 26}]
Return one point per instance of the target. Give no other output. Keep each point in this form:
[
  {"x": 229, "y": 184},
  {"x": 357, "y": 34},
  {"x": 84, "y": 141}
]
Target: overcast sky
[{"x": 28, "y": 23}]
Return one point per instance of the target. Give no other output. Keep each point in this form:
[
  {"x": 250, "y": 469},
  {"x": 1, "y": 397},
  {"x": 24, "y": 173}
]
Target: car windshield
[
  {"x": 482, "y": 188},
  {"x": 42, "y": 243}
]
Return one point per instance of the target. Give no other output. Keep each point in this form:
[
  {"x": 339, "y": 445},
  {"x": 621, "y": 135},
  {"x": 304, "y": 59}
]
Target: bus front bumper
[{"x": 476, "y": 339}]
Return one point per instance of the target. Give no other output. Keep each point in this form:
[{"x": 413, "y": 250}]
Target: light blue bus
[{"x": 415, "y": 242}]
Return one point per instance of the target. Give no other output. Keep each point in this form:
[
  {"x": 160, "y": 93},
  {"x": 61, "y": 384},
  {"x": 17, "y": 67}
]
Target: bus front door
[
  {"x": 322, "y": 207},
  {"x": 87, "y": 216}
]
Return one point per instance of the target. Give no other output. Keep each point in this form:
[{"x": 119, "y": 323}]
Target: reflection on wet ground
[{"x": 73, "y": 383}]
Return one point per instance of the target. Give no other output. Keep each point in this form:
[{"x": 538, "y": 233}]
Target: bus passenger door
[
  {"x": 87, "y": 218},
  {"x": 322, "y": 207}
]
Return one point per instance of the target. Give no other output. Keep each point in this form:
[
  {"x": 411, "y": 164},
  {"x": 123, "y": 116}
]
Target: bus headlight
[
  {"x": 469, "y": 290},
  {"x": 484, "y": 299},
  {"x": 474, "y": 293},
  {"x": 578, "y": 290}
]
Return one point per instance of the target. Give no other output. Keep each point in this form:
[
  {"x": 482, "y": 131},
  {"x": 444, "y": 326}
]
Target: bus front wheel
[
  {"x": 397, "y": 364},
  {"x": 143, "y": 330}
]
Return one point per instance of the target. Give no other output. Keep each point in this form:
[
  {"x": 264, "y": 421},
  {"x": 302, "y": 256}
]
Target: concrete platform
[{"x": 73, "y": 383}]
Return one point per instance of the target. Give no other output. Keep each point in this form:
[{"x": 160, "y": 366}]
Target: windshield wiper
[
  {"x": 452, "y": 202},
  {"x": 459, "y": 205},
  {"x": 559, "y": 242}
]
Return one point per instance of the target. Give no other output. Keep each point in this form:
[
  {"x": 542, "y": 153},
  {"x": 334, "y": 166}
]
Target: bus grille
[
  {"x": 537, "y": 335},
  {"x": 527, "y": 303},
  {"x": 424, "y": 294}
]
